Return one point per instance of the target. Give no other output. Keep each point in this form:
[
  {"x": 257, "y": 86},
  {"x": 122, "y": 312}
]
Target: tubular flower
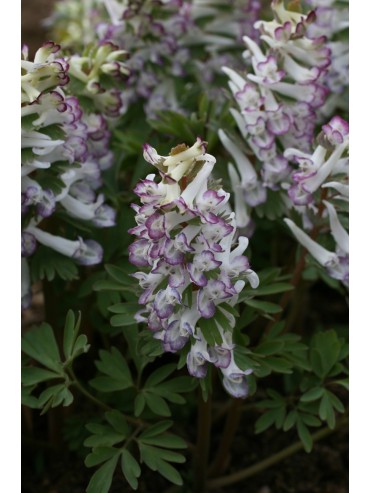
[
  {"x": 64, "y": 150},
  {"x": 332, "y": 22},
  {"x": 336, "y": 264},
  {"x": 325, "y": 171},
  {"x": 193, "y": 267},
  {"x": 288, "y": 64},
  {"x": 328, "y": 159},
  {"x": 160, "y": 37}
]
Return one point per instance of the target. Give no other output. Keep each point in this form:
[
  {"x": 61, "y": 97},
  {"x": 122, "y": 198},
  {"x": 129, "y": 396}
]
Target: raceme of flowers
[
  {"x": 166, "y": 40},
  {"x": 291, "y": 67},
  {"x": 332, "y": 22},
  {"x": 324, "y": 174},
  {"x": 64, "y": 150},
  {"x": 192, "y": 263}
]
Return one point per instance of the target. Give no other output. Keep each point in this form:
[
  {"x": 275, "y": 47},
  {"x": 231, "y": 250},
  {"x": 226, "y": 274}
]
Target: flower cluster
[
  {"x": 321, "y": 181},
  {"x": 64, "y": 150},
  {"x": 91, "y": 69},
  {"x": 192, "y": 262},
  {"x": 166, "y": 40},
  {"x": 332, "y": 22},
  {"x": 291, "y": 67}
]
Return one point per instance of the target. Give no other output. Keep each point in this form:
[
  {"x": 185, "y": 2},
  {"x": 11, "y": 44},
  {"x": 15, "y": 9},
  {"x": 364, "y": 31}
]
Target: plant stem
[
  {"x": 87, "y": 394},
  {"x": 100, "y": 403},
  {"x": 231, "y": 426},
  {"x": 202, "y": 447},
  {"x": 272, "y": 460}
]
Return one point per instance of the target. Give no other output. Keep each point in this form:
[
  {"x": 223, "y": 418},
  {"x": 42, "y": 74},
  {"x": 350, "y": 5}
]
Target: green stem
[
  {"x": 231, "y": 426},
  {"x": 202, "y": 447},
  {"x": 272, "y": 460},
  {"x": 86, "y": 393},
  {"x": 100, "y": 403}
]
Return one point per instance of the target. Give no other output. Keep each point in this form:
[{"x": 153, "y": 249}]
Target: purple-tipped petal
[
  {"x": 156, "y": 226},
  {"x": 138, "y": 252},
  {"x": 173, "y": 337},
  {"x": 221, "y": 357},
  {"x": 205, "y": 306},
  {"x": 237, "y": 386},
  {"x": 89, "y": 253},
  {"x": 28, "y": 244}
]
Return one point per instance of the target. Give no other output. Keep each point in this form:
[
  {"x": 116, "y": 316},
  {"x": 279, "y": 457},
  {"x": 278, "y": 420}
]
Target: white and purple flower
[{"x": 186, "y": 239}]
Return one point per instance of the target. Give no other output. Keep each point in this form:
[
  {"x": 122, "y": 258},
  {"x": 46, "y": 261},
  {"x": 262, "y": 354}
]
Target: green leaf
[
  {"x": 279, "y": 287},
  {"x": 156, "y": 429},
  {"x": 169, "y": 472},
  {"x": 152, "y": 458},
  {"x": 344, "y": 382},
  {"x": 27, "y": 399},
  {"x": 231, "y": 309},
  {"x": 99, "y": 455},
  {"x": 324, "y": 353},
  {"x": 54, "y": 396},
  {"x": 139, "y": 404},
  {"x": 312, "y": 394},
  {"x": 268, "y": 275},
  {"x": 326, "y": 411},
  {"x": 47, "y": 263},
  {"x": 102, "y": 479},
  {"x": 108, "y": 439},
  {"x": 222, "y": 319},
  {"x": 157, "y": 405},
  {"x": 336, "y": 403},
  {"x": 108, "y": 285},
  {"x": 305, "y": 436},
  {"x": 279, "y": 365},
  {"x": 290, "y": 420},
  {"x": 264, "y": 306},
  {"x": 40, "y": 344},
  {"x": 118, "y": 275},
  {"x": 122, "y": 320},
  {"x": 210, "y": 331},
  {"x": 169, "y": 396},
  {"x": 127, "y": 308},
  {"x": 310, "y": 419},
  {"x": 32, "y": 375},
  {"x": 166, "y": 441},
  {"x": 69, "y": 334},
  {"x": 269, "y": 347},
  {"x": 80, "y": 346},
  {"x": 118, "y": 422},
  {"x": 159, "y": 375},
  {"x": 265, "y": 421},
  {"x": 114, "y": 366},
  {"x": 71, "y": 329},
  {"x": 130, "y": 468},
  {"x": 276, "y": 329},
  {"x": 178, "y": 384}
]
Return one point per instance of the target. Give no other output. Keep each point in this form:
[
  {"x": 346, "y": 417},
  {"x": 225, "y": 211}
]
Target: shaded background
[{"x": 33, "y": 13}]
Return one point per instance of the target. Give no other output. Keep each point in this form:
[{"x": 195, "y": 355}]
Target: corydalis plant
[
  {"x": 324, "y": 174},
  {"x": 277, "y": 101},
  {"x": 64, "y": 150},
  {"x": 166, "y": 40},
  {"x": 193, "y": 267}
]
